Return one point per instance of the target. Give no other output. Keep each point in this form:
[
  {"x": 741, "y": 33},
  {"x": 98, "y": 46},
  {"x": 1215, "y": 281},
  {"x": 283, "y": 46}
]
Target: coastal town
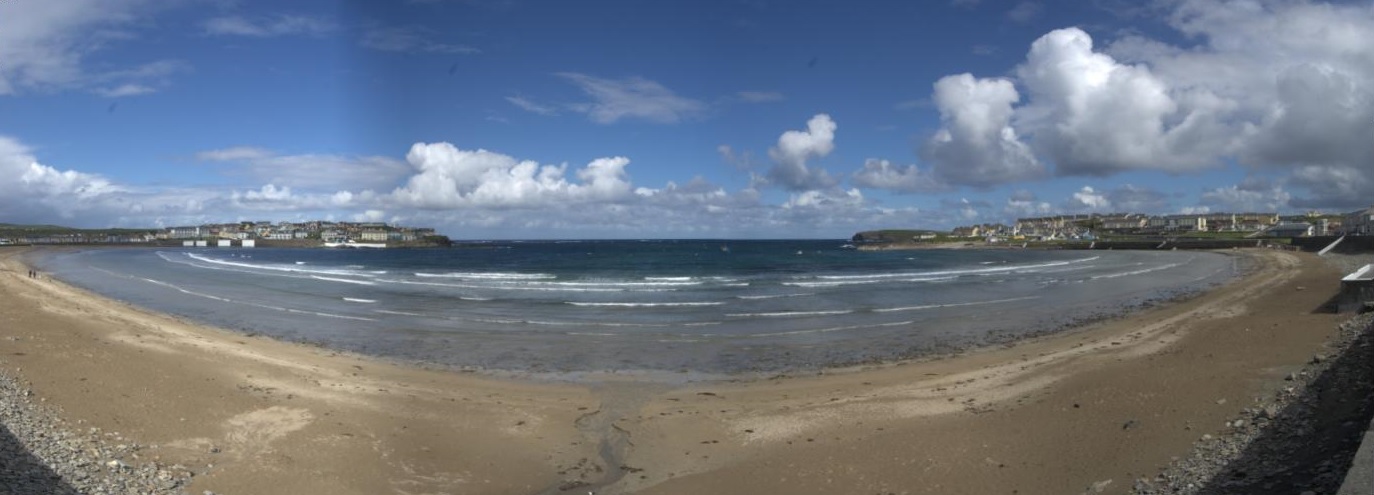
[
  {"x": 1093, "y": 226},
  {"x": 1074, "y": 227},
  {"x": 261, "y": 233}
]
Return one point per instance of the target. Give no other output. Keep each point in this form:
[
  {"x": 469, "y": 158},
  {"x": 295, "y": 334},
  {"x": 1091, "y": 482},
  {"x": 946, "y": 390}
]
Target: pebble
[
  {"x": 50, "y": 457},
  {"x": 1288, "y": 414}
]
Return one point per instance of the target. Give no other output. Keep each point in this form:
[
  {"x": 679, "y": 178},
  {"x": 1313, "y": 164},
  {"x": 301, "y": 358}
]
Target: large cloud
[
  {"x": 1251, "y": 194},
  {"x": 795, "y": 148},
  {"x": 1092, "y": 115},
  {"x": 470, "y": 194},
  {"x": 977, "y": 145},
  {"x": 37, "y": 193},
  {"x": 1024, "y": 203},
  {"x": 449, "y": 177},
  {"x": 1286, "y": 86},
  {"x": 44, "y": 46},
  {"x": 882, "y": 174}
]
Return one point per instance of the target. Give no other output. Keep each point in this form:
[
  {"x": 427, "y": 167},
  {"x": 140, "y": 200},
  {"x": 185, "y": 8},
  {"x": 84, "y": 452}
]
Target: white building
[
  {"x": 183, "y": 232},
  {"x": 1360, "y": 222}
]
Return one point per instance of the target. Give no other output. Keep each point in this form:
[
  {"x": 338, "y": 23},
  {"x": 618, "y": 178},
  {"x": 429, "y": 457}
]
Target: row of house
[
  {"x": 1358, "y": 222},
  {"x": 322, "y": 230},
  {"x": 241, "y": 231},
  {"x": 1086, "y": 226}
]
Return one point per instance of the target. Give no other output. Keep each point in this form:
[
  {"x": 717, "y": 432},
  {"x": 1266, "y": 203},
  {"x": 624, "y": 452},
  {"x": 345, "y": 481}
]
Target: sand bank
[{"x": 1113, "y": 401}]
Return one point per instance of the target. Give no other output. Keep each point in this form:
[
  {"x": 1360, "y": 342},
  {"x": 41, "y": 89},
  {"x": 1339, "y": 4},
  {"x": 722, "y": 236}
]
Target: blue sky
[{"x": 625, "y": 119}]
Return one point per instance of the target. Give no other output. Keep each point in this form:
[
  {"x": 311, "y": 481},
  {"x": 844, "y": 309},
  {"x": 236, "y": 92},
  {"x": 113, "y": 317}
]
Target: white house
[{"x": 1360, "y": 222}]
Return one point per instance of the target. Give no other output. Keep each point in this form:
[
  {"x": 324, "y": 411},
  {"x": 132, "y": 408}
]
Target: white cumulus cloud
[
  {"x": 977, "y": 145},
  {"x": 1088, "y": 199},
  {"x": 1092, "y": 115},
  {"x": 449, "y": 177},
  {"x": 1275, "y": 86},
  {"x": 795, "y": 148},
  {"x": 882, "y": 174}
]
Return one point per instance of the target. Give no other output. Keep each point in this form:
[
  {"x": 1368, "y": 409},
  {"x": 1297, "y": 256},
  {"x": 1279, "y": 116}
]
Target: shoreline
[
  {"x": 930, "y": 335},
  {"x": 364, "y": 425}
]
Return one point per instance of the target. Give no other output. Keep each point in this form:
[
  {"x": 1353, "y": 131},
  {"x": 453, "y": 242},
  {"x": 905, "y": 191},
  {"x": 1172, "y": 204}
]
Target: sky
[{"x": 548, "y": 119}]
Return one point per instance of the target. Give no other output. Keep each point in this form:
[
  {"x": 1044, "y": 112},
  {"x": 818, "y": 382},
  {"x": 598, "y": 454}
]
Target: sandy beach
[{"x": 1110, "y": 402}]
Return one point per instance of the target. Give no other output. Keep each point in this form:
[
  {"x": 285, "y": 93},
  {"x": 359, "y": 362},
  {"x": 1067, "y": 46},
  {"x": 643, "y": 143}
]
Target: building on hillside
[
  {"x": 1291, "y": 229},
  {"x": 1212, "y": 222},
  {"x": 1122, "y": 222},
  {"x": 967, "y": 231},
  {"x": 1251, "y": 222},
  {"x": 1359, "y": 222},
  {"x": 400, "y": 235},
  {"x": 1054, "y": 227},
  {"x": 183, "y": 232},
  {"x": 1188, "y": 223},
  {"x": 373, "y": 236}
]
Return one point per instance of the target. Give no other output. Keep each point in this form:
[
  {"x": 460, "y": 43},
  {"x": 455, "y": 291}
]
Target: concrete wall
[
  {"x": 1357, "y": 290},
  {"x": 1351, "y": 244}
]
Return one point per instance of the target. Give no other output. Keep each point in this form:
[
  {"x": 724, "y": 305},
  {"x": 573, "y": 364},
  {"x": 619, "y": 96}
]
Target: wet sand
[{"x": 1111, "y": 401}]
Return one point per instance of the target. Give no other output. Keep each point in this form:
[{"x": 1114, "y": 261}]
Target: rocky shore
[
  {"x": 40, "y": 454},
  {"x": 1299, "y": 439}
]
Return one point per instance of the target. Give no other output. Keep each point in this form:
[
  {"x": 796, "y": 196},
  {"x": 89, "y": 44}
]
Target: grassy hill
[
  {"x": 17, "y": 230},
  {"x": 900, "y": 235}
]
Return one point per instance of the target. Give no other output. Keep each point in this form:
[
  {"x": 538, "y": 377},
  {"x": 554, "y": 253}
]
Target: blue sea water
[{"x": 706, "y": 307}]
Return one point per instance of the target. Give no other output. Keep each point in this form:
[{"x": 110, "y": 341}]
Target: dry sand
[{"x": 1112, "y": 401}]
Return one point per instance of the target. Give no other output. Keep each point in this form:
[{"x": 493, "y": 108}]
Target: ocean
[{"x": 665, "y": 308}]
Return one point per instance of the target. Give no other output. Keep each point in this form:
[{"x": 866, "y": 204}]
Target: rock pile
[
  {"x": 41, "y": 454},
  {"x": 1300, "y": 439}
]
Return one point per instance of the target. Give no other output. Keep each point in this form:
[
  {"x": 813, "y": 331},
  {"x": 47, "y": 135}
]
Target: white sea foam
[
  {"x": 358, "y": 300},
  {"x": 489, "y": 275},
  {"x": 644, "y": 304},
  {"x": 188, "y": 292},
  {"x": 837, "y": 283},
  {"x": 280, "y": 268},
  {"x": 1137, "y": 272},
  {"x": 954, "y": 305},
  {"x": 616, "y": 283},
  {"x": 775, "y": 296},
  {"x": 523, "y": 287},
  {"x": 224, "y": 299},
  {"x": 596, "y": 324},
  {"x": 391, "y": 312},
  {"x": 790, "y": 314},
  {"x": 920, "y": 275},
  {"x": 343, "y": 280}
]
